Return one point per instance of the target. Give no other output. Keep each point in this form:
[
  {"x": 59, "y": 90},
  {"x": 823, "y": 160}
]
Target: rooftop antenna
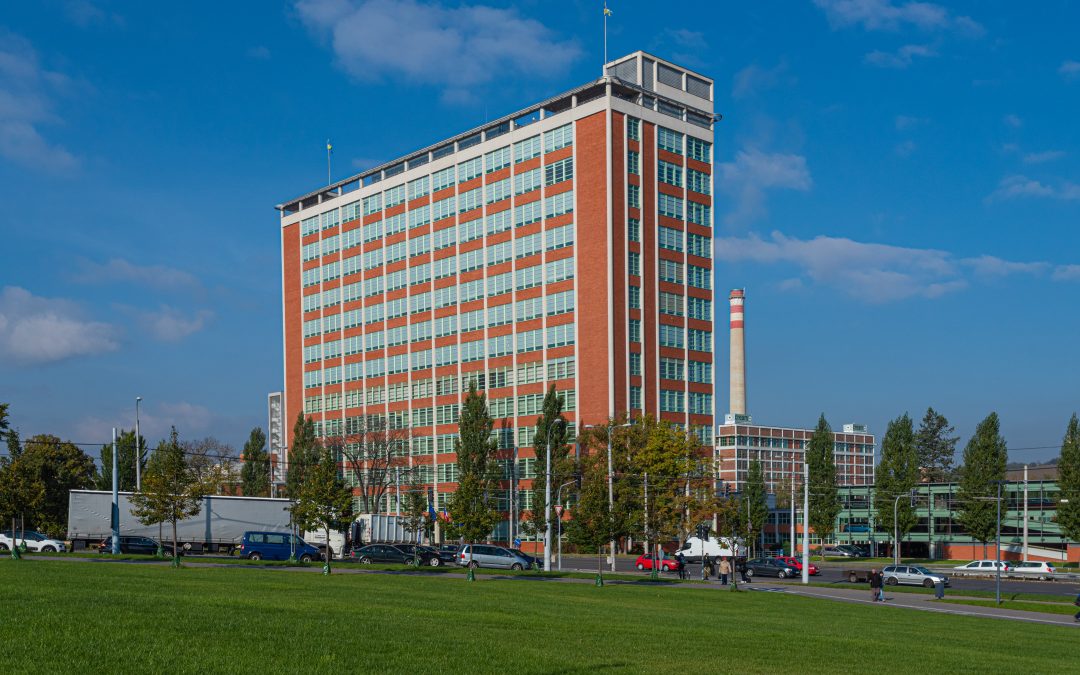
[
  {"x": 607, "y": 13},
  {"x": 328, "y": 149}
]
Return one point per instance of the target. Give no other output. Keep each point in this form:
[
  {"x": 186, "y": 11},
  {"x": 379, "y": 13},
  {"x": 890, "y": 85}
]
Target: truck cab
[{"x": 695, "y": 548}]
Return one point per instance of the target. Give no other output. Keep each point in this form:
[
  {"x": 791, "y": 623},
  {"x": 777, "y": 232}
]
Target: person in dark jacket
[
  {"x": 740, "y": 567},
  {"x": 706, "y": 567},
  {"x": 681, "y": 562},
  {"x": 876, "y": 582}
]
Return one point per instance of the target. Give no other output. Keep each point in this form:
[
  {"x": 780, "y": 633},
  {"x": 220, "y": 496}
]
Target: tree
[
  {"x": 171, "y": 489},
  {"x": 4, "y": 424},
  {"x": 755, "y": 499},
  {"x": 304, "y": 452},
  {"x": 936, "y": 447},
  {"x": 472, "y": 506},
  {"x": 14, "y": 445},
  {"x": 824, "y": 496},
  {"x": 1068, "y": 513},
  {"x": 60, "y": 467},
  {"x": 416, "y": 512},
  {"x": 562, "y": 465},
  {"x": 125, "y": 460},
  {"x": 255, "y": 474},
  {"x": 374, "y": 449},
  {"x": 985, "y": 457},
  {"x": 593, "y": 524},
  {"x": 213, "y": 463},
  {"x": 21, "y": 493},
  {"x": 324, "y": 500},
  {"x": 897, "y": 474}
]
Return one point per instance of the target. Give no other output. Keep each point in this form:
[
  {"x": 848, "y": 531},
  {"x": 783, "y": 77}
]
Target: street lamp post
[
  {"x": 610, "y": 481},
  {"x": 547, "y": 494},
  {"x": 997, "y": 582},
  {"x": 558, "y": 498},
  {"x": 138, "y": 447}
]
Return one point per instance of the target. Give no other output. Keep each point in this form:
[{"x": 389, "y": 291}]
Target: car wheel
[
  {"x": 749, "y": 573},
  {"x": 516, "y": 567},
  {"x": 305, "y": 558},
  {"x": 473, "y": 565},
  {"x": 434, "y": 562},
  {"x": 781, "y": 574},
  {"x": 927, "y": 583},
  {"x": 853, "y": 578},
  {"x": 3, "y": 547},
  {"x": 892, "y": 581},
  {"x": 639, "y": 566},
  {"x": 254, "y": 556},
  {"x": 365, "y": 560},
  {"x": 48, "y": 549}
]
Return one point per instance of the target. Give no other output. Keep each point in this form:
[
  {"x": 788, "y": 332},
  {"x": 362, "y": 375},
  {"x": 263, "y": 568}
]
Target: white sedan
[
  {"x": 35, "y": 541},
  {"x": 983, "y": 567}
]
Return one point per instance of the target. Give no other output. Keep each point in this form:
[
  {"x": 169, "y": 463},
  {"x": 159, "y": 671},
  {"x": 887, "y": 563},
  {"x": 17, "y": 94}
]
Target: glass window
[
  {"x": 698, "y": 149},
  {"x": 470, "y": 169},
  {"x": 669, "y": 140},
  {"x": 527, "y": 182},
  {"x": 527, "y": 149},
  {"x": 440, "y": 180},
  {"x": 559, "y": 171},
  {"x": 497, "y": 159},
  {"x": 419, "y": 187},
  {"x": 633, "y": 128},
  {"x": 669, "y": 173},
  {"x": 633, "y": 162},
  {"x": 559, "y": 138}
]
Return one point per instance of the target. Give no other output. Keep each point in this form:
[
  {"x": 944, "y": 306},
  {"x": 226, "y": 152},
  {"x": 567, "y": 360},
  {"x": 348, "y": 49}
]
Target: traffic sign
[{"x": 558, "y": 510}]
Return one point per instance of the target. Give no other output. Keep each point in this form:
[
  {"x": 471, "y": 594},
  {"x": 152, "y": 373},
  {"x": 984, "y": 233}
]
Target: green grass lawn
[
  {"x": 1026, "y": 606},
  {"x": 139, "y": 618}
]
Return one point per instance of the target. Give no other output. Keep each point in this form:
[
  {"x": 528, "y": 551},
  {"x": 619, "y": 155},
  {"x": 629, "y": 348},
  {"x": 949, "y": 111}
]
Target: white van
[
  {"x": 317, "y": 538},
  {"x": 694, "y": 548}
]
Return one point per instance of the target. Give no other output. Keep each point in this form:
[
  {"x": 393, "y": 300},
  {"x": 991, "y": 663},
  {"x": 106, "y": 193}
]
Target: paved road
[{"x": 833, "y": 573}]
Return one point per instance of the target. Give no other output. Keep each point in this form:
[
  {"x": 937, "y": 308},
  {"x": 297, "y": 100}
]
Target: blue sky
[{"x": 898, "y": 190}]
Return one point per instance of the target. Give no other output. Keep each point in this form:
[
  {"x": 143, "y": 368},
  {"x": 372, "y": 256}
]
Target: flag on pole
[
  {"x": 607, "y": 12},
  {"x": 328, "y": 146}
]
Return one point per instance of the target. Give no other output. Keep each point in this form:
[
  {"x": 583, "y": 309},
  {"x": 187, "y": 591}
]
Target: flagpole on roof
[
  {"x": 607, "y": 13},
  {"x": 328, "y": 149}
]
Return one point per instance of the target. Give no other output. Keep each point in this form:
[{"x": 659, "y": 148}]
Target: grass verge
[
  {"x": 243, "y": 620},
  {"x": 1042, "y": 607},
  {"x": 1045, "y": 597}
]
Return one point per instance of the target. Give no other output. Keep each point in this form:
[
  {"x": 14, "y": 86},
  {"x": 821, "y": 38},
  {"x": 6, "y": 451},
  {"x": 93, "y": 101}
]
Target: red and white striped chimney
[{"x": 737, "y": 390}]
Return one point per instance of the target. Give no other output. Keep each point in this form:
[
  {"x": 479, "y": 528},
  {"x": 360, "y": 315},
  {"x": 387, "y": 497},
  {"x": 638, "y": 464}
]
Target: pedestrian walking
[
  {"x": 680, "y": 561},
  {"x": 1076, "y": 602},
  {"x": 706, "y": 567},
  {"x": 740, "y": 567},
  {"x": 875, "y": 585},
  {"x": 725, "y": 571}
]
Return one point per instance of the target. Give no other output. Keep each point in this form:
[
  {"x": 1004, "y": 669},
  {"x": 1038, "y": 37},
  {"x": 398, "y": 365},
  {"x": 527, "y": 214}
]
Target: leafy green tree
[
  {"x": 171, "y": 489},
  {"x": 125, "y": 458},
  {"x": 4, "y": 423},
  {"x": 255, "y": 474},
  {"x": 936, "y": 447},
  {"x": 60, "y": 467},
  {"x": 21, "y": 492},
  {"x": 985, "y": 457},
  {"x": 324, "y": 501},
  {"x": 755, "y": 498},
  {"x": 897, "y": 474},
  {"x": 1068, "y": 513},
  {"x": 473, "y": 506},
  {"x": 14, "y": 445},
  {"x": 303, "y": 453},
  {"x": 562, "y": 465},
  {"x": 415, "y": 512},
  {"x": 824, "y": 495},
  {"x": 593, "y": 524}
]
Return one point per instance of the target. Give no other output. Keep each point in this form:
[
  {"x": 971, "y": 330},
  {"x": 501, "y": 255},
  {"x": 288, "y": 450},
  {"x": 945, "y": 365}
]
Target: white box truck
[{"x": 725, "y": 547}]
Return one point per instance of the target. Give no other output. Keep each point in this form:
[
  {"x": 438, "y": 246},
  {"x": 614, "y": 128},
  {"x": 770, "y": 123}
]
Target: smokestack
[{"x": 738, "y": 354}]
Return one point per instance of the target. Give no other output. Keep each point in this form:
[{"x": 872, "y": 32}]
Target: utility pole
[
  {"x": 793, "y": 504},
  {"x": 1025, "y": 512},
  {"x": 547, "y": 497},
  {"x": 138, "y": 447},
  {"x": 997, "y": 584},
  {"x": 115, "y": 499},
  {"x": 806, "y": 522}
]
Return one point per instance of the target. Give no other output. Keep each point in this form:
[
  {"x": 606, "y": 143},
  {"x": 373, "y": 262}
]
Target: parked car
[
  {"x": 797, "y": 564},
  {"x": 133, "y": 545},
  {"x": 276, "y": 546},
  {"x": 450, "y": 549},
  {"x": 912, "y": 575},
  {"x": 645, "y": 562},
  {"x": 984, "y": 567},
  {"x": 401, "y": 554},
  {"x": 489, "y": 555},
  {"x": 428, "y": 556},
  {"x": 537, "y": 563},
  {"x": 769, "y": 567},
  {"x": 837, "y": 552},
  {"x": 1043, "y": 571},
  {"x": 855, "y": 550},
  {"x": 35, "y": 541}
]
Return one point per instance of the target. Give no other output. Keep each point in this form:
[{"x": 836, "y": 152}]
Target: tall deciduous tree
[
  {"x": 324, "y": 500},
  {"x": 255, "y": 474},
  {"x": 21, "y": 493},
  {"x": 562, "y": 465},
  {"x": 755, "y": 498},
  {"x": 593, "y": 524},
  {"x": 303, "y": 453},
  {"x": 897, "y": 474},
  {"x": 985, "y": 457},
  {"x": 1068, "y": 512},
  {"x": 375, "y": 450},
  {"x": 935, "y": 444},
  {"x": 824, "y": 495},
  {"x": 171, "y": 489},
  {"x": 473, "y": 505},
  {"x": 416, "y": 513},
  {"x": 125, "y": 460},
  {"x": 59, "y": 466}
]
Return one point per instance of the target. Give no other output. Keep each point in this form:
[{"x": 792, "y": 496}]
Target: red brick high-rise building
[{"x": 569, "y": 243}]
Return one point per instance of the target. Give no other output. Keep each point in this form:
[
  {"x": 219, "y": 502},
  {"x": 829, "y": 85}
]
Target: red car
[
  {"x": 797, "y": 564},
  {"x": 645, "y": 562}
]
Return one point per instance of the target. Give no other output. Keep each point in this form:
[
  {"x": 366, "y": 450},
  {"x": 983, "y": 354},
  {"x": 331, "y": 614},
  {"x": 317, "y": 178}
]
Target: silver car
[
  {"x": 912, "y": 575},
  {"x": 488, "y": 555}
]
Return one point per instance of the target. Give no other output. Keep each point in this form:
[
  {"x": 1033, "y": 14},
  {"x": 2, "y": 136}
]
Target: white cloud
[
  {"x": 1070, "y": 70},
  {"x": 1014, "y": 187},
  {"x": 902, "y": 58},
  {"x": 27, "y": 90},
  {"x": 755, "y": 79},
  {"x": 904, "y": 122},
  {"x": 169, "y": 324},
  {"x": 878, "y": 273},
  {"x": 453, "y": 46},
  {"x": 36, "y": 330},
  {"x": 752, "y": 173},
  {"x": 1013, "y": 121},
  {"x": 905, "y": 148},
  {"x": 259, "y": 53},
  {"x": 1041, "y": 157},
  {"x": 118, "y": 270},
  {"x": 155, "y": 420},
  {"x": 84, "y": 14},
  {"x": 886, "y": 15}
]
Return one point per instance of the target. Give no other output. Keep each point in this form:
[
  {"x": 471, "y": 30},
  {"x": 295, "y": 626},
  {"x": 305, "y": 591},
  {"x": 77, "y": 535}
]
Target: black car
[
  {"x": 128, "y": 544},
  {"x": 428, "y": 555},
  {"x": 769, "y": 567},
  {"x": 391, "y": 553},
  {"x": 537, "y": 563}
]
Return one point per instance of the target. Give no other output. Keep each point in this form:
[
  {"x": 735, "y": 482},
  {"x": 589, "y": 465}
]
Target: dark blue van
[{"x": 276, "y": 546}]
